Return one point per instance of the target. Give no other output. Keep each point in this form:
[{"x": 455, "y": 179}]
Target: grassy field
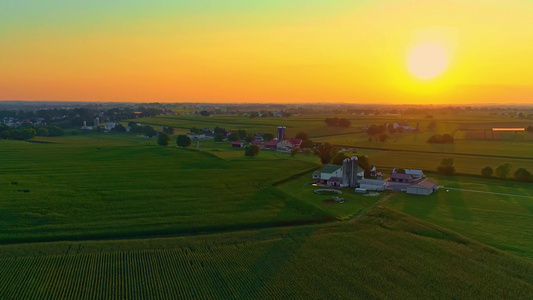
[
  {"x": 354, "y": 203},
  {"x": 500, "y": 217},
  {"x": 117, "y": 216},
  {"x": 384, "y": 255},
  {"x": 91, "y": 187}
]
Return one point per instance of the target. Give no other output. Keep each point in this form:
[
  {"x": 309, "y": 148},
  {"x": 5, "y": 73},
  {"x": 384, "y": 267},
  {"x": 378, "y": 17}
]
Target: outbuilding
[
  {"x": 372, "y": 184},
  {"x": 422, "y": 187}
]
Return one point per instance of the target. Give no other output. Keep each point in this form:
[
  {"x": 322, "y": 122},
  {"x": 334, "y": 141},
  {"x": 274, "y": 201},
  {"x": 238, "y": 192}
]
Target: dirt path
[
  {"x": 484, "y": 192},
  {"x": 381, "y": 201}
]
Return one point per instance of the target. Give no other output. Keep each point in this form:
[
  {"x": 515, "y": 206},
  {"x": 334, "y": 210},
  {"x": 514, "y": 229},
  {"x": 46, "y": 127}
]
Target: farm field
[
  {"x": 93, "y": 187},
  {"x": 354, "y": 203},
  {"x": 383, "y": 255},
  {"x": 464, "y": 164},
  {"x": 500, "y": 220}
]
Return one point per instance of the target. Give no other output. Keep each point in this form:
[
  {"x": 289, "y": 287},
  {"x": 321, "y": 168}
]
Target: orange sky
[{"x": 264, "y": 51}]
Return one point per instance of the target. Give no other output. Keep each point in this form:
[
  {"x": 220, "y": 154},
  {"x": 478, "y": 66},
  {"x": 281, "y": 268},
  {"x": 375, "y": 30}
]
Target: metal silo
[
  {"x": 353, "y": 178},
  {"x": 346, "y": 168}
]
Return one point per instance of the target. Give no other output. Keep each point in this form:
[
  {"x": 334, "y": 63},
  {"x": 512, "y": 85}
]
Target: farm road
[
  {"x": 484, "y": 192},
  {"x": 381, "y": 201}
]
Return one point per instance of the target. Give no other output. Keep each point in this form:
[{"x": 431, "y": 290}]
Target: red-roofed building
[
  {"x": 272, "y": 144},
  {"x": 237, "y": 144}
]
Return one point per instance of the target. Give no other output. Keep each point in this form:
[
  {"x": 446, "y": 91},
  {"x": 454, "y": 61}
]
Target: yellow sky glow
[{"x": 322, "y": 52}]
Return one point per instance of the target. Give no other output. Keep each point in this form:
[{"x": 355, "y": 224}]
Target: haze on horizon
[{"x": 267, "y": 51}]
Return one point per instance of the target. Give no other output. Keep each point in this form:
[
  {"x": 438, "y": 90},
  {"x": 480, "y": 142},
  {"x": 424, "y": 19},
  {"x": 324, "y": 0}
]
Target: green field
[
  {"x": 104, "y": 188},
  {"x": 470, "y": 155},
  {"x": 383, "y": 255},
  {"x": 499, "y": 213},
  {"x": 117, "y": 216}
]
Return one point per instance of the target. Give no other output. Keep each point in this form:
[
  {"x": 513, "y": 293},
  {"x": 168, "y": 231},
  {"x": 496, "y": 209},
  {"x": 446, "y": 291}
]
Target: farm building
[
  {"x": 237, "y": 144},
  {"x": 372, "y": 184},
  {"x": 272, "y": 144},
  {"x": 337, "y": 175},
  {"x": 399, "y": 181},
  {"x": 417, "y": 174},
  {"x": 402, "y": 178},
  {"x": 288, "y": 144},
  {"x": 422, "y": 187}
]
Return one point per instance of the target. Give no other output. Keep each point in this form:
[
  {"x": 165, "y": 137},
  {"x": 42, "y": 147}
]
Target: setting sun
[{"x": 427, "y": 61}]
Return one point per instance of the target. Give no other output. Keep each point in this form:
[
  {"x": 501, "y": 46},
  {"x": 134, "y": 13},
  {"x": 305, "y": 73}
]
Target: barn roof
[
  {"x": 413, "y": 172},
  {"x": 294, "y": 142},
  {"x": 401, "y": 176},
  {"x": 426, "y": 183},
  {"x": 271, "y": 143},
  {"x": 330, "y": 168}
]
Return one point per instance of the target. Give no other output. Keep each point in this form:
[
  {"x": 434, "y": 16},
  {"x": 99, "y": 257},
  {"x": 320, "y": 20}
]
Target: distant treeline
[
  {"x": 337, "y": 122},
  {"x": 440, "y": 139},
  {"x": 28, "y": 131}
]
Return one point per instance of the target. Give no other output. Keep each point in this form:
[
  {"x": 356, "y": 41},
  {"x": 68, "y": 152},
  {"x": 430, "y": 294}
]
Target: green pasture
[
  {"x": 501, "y": 216},
  {"x": 107, "y": 186},
  {"x": 354, "y": 203},
  {"x": 383, "y": 255},
  {"x": 465, "y": 164}
]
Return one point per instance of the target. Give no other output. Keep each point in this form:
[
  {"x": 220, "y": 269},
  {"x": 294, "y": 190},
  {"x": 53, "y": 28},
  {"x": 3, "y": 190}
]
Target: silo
[
  {"x": 280, "y": 133},
  {"x": 346, "y": 168},
  {"x": 353, "y": 178},
  {"x": 283, "y": 131}
]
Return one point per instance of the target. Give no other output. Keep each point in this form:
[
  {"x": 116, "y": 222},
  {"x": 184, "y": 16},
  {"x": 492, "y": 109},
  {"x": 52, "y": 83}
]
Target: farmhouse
[
  {"x": 422, "y": 187},
  {"x": 399, "y": 181},
  {"x": 337, "y": 175}
]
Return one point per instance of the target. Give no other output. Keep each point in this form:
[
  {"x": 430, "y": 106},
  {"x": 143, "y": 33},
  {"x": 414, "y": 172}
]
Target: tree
[
  {"x": 446, "y": 167},
  {"x": 503, "y": 170},
  {"x": 383, "y": 137},
  {"x": 195, "y": 130},
  {"x": 205, "y": 113},
  {"x": 119, "y": 128},
  {"x": 251, "y": 150},
  {"x": 163, "y": 139},
  {"x": 169, "y": 130},
  {"x": 183, "y": 140},
  {"x": 307, "y": 144},
  {"x": 268, "y": 136},
  {"x": 487, "y": 172},
  {"x": 218, "y": 137},
  {"x": 364, "y": 163},
  {"x": 339, "y": 158},
  {"x": 249, "y": 138},
  {"x": 302, "y": 136},
  {"x": 447, "y": 139},
  {"x": 233, "y": 137},
  {"x": 42, "y": 131},
  {"x": 150, "y": 131},
  {"x": 400, "y": 171},
  {"x": 54, "y": 130},
  {"x": 294, "y": 151},
  {"x": 325, "y": 152},
  {"x": 6, "y": 134},
  {"x": 344, "y": 123},
  {"x": 241, "y": 133},
  {"x": 522, "y": 175}
]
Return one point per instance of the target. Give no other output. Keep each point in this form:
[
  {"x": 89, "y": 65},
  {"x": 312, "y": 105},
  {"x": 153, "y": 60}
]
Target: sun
[{"x": 427, "y": 61}]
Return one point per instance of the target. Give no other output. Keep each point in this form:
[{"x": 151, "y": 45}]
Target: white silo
[
  {"x": 353, "y": 177},
  {"x": 346, "y": 168}
]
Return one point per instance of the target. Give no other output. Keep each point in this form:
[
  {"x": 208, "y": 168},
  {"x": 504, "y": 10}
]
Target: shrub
[
  {"x": 163, "y": 139},
  {"x": 487, "y": 172},
  {"x": 252, "y": 150},
  {"x": 522, "y": 175},
  {"x": 183, "y": 140}
]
